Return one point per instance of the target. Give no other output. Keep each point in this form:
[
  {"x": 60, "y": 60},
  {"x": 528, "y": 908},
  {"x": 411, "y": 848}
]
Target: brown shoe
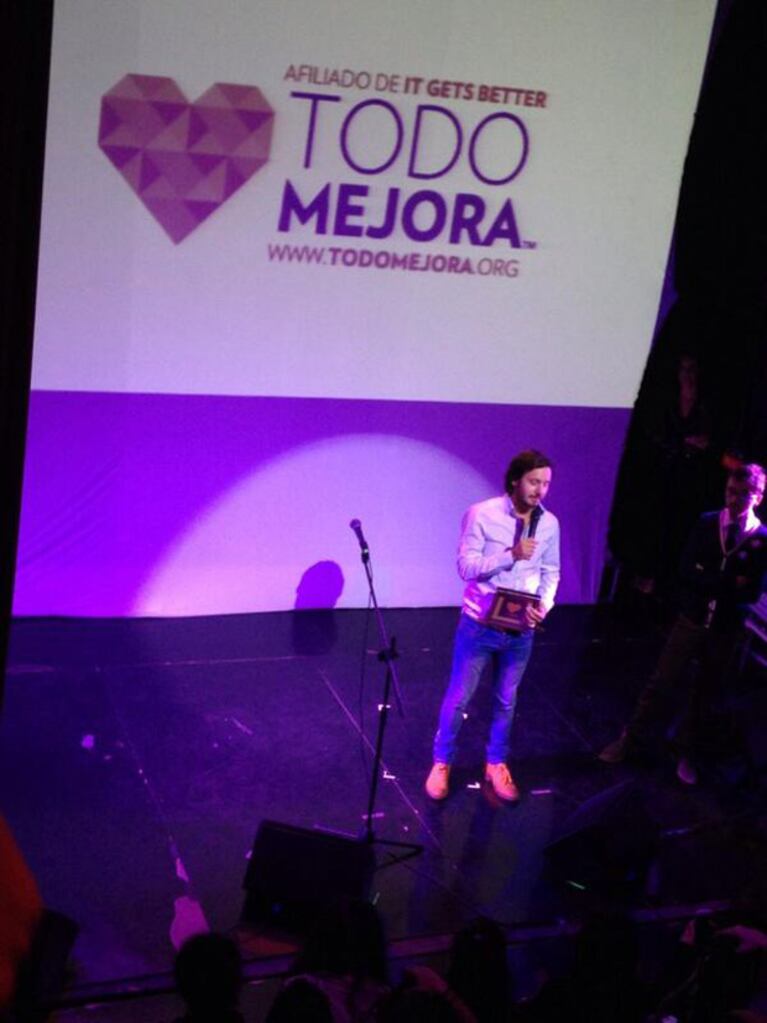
[
  {"x": 437, "y": 782},
  {"x": 615, "y": 752},
  {"x": 686, "y": 771},
  {"x": 502, "y": 782}
]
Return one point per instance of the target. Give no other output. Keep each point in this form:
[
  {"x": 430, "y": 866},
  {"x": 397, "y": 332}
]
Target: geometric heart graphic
[{"x": 184, "y": 159}]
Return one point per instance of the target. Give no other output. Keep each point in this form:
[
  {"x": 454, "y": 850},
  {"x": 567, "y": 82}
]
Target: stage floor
[{"x": 139, "y": 756}]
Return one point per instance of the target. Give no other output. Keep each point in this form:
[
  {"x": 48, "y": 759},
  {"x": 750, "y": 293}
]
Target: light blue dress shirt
[{"x": 488, "y": 530}]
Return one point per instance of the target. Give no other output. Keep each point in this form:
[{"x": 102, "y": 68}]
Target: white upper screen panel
[{"x": 418, "y": 200}]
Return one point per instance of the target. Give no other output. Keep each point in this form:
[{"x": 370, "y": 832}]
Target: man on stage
[
  {"x": 511, "y": 542},
  {"x": 722, "y": 571}
]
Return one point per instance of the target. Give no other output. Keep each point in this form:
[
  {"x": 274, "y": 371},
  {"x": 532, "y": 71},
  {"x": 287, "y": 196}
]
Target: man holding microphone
[{"x": 509, "y": 542}]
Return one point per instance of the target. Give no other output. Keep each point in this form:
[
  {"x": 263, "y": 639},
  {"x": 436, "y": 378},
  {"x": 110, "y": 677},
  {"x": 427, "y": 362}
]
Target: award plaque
[{"x": 507, "y": 610}]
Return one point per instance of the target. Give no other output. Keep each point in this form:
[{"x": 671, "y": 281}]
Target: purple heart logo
[{"x": 182, "y": 159}]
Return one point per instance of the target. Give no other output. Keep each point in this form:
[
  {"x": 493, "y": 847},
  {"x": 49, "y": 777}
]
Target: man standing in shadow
[{"x": 722, "y": 571}]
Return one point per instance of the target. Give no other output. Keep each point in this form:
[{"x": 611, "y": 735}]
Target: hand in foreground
[{"x": 748, "y": 939}]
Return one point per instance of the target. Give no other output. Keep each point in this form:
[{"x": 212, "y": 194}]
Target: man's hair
[
  {"x": 752, "y": 474},
  {"x": 523, "y": 463}
]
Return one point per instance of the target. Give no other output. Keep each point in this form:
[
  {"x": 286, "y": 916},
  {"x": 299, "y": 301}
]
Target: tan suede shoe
[
  {"x": 615, "y": 752},
  {"x": 437, "y": 782},
  {"x": 502, "y": 782}
]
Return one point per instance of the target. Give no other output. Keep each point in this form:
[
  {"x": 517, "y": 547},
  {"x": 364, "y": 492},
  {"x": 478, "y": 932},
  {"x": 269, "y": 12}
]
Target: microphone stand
[{"x": 387, "y": 656}]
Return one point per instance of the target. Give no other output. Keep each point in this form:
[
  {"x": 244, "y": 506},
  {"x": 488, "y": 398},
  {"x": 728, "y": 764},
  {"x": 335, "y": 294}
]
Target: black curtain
[
  {"x": 25, "y": 29},
  {"x": 718, "y": 319}
]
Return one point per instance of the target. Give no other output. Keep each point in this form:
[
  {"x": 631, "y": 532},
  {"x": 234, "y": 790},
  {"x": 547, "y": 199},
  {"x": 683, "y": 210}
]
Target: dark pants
[{"x": 715, "y": 653}]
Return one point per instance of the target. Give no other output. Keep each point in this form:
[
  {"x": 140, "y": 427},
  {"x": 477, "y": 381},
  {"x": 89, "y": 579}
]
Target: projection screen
[{"x": 307, "y": 261}]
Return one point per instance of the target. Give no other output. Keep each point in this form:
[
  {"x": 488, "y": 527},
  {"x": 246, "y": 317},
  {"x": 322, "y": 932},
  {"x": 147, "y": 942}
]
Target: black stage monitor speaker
[
  {"x": 607, "y": 844},
  {"x": 295, "y": 873}
]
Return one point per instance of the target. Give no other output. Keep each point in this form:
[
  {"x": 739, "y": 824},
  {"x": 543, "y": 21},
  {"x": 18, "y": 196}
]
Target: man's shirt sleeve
[
  {"x": 550, "y": 569},
  {"x": 472, "y": 562}
]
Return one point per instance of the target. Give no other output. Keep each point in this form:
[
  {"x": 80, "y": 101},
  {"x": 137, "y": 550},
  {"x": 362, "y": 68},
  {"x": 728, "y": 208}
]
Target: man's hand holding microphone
[{"x": 523, "y": 550}]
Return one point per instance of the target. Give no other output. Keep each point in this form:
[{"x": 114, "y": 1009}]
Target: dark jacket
[{"x": 732, "y": 582}]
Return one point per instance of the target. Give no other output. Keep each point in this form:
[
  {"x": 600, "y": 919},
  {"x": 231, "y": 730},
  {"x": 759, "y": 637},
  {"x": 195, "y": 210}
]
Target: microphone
[
  {"x": 356, "y": 526},
  {"x": 535, "y": 514}
]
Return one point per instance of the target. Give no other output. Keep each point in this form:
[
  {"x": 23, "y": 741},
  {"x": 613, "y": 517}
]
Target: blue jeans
[{"x": 475, "y": 646}]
